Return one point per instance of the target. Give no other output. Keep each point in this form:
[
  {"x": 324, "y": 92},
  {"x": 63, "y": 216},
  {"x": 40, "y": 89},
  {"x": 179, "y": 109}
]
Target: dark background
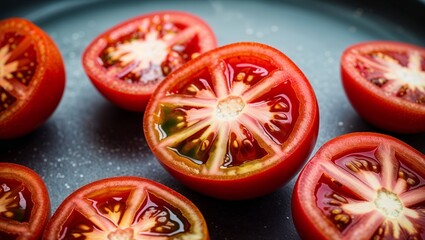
[{"x": 87, "y": 138}]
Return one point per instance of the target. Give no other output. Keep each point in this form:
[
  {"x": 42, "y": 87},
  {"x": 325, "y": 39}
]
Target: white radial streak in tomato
[
  {"x": 133, "y": 203},
  {"x": 371, "y": 63},
  {"x": 390, "y": 165},
  {"x": 219, "y": 150},
  {"x": 238, "y": 88},
  {"x": 143, "y": 53},
  {"x": 94, "y": 216},
  {"x": 365, "y": 226},
  {"x": 357, "y": 186},
  {"x": 400, "y": 186},
  {"x": 220, "y": 82},
  {"x": 172, "y": 140},
  {"x": 184, "y": 36},
  {"x": 412, "y": 75},
  {"x": 195, "y": 115},
  {"x": 359, "y": 207},
  {"x": 413, "y": 197},
  {"x": 265, "y": 85},
  {"x": 188, "y": 101},
  {"x": 6, "y": 69}
]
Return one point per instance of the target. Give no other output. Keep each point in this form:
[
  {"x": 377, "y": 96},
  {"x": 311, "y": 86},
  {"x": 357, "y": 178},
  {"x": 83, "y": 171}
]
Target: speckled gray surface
[{"x": 87, "y": 138}]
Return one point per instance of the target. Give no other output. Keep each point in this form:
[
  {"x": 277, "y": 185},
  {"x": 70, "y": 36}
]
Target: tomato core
[
  {"x": 388, "y": 203},
  {"x": 229, "y": 108}
]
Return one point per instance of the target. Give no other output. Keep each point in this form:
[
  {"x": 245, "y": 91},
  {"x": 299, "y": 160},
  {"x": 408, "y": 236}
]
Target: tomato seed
[
  {"x": 240, "y": 76},
  {"x": 235, "y": 144},
  {"x": 9, "y": 214},
  {"x": 402, "y": 175},
  {"x": 84, "y": 227},
  {"x": 339, "y": 198},
  {"x": 336, "y": 211},
  {"x": 250, "y": 78},
  {"x": 411, "y": 181},
  {"x": 350, "y": 166}
]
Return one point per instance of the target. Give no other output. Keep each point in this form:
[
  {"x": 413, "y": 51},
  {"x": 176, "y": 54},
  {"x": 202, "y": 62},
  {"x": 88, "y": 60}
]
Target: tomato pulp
[
  {"x": 237, "y": 122},
  {"x": 24, "y": 203},
  {"x": 385, "y": 83},
  {"x": 361, "y": 186},
  {"x": 126, "y": 208},
  {"x": 32, "y": 77},
  {"x": 127, "y": 62}
]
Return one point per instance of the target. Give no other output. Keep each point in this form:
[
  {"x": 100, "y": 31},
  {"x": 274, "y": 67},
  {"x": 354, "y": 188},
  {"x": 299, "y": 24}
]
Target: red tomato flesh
[
  {"x": 362, "y": 186},
  {"x": 234, "y": 123},
  {"x": 128, "y": 61},
  {"x": 24, "y": 203},
  {"x": 126, "y": 208},
  {"x": 32, "y": 77},
  {"x": 385, "y": 82}
]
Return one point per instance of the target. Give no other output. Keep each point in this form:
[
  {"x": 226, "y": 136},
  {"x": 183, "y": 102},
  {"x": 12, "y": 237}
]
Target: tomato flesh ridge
[
  {"x": 15, "y": 201},
  {"x": 150, "y": 53},
  {"x": 401, "y": 74},
  {"x": 401, "y": 218},
  {"x": 155, "y": 217},
  {"x": 17, "y": 68},
  {"x": 274, "y": 114}
]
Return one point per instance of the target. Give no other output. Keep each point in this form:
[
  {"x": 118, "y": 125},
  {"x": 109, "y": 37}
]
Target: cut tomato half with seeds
[
  {"x": 385, "y": 83},
  {"x": 237, "y": 122},
  {"x": 24, "y": 203},
  {"x": 126, "y": 208},
  {"x": 32, "y": 77},
  {"x": 127, "y": 62},
  {"x": 362, "y": 186}
]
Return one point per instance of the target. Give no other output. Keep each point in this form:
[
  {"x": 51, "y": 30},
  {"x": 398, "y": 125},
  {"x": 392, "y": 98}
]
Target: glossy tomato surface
[
  {"x": 237, "y": 122},
  {"x": 385, "y": 83},
  {"x": 126, "y": 208},
  {"x": 127, "y": 62},
  {"x": 361, "y": 186},
  {"x": 24, "y": 203},
  {"x": 32, "y": 77}
]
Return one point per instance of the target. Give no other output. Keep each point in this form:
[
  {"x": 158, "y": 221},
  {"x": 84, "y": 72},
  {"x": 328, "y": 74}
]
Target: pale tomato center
[
  {"x": 388, "y": 204},
  {"x": 229, "y": 108},
  {"x": 122, "y": 234}
]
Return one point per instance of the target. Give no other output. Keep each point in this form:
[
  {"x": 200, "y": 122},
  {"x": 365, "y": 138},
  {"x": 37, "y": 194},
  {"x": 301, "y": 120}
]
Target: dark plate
[{"x": 87, "y": 138}]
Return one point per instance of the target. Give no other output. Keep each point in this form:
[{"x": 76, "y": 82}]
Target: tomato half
[
  {"x": 361, "y": 186},
  {"x": 127, "y": 62},
  {"x": 32, "y": 77},
  {"x": 24, "y": 203},
  {"x": 237, "y": 122},
  {"x": 385, "y": 83},
  {"x": 126, "y": 208}
]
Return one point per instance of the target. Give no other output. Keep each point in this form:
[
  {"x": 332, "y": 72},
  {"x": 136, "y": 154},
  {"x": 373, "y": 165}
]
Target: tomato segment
[
  {"x": 126, "y": 208},
  {"x": 24, "y": 203},
  {"x": 129, "y": 60},
  {"x": 385, "y": 83},
  {"x": 32, "y": 77},
  {"x": 373, "y": 190},
  {"x": 228, "y": 117}
]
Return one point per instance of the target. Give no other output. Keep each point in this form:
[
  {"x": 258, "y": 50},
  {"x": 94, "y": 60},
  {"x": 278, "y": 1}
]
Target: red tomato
[
  {"x": 126, "y": 208},
  {"x": 32, "y": 77},
  {"x": 24, "y": 203},
  {"x": 385, "y": 83},
  {"x": 237, "y": 122},
  {"x": 361, "y": 186},
  {"x": 127, "y": 62}
]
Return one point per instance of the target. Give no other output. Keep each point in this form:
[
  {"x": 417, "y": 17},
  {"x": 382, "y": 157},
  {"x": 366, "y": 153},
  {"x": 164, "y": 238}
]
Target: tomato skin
[
  {"x": 40, "y": 211},
  {"x": 104, "y": 187},
  {"x": 125, "y": 95},
  {"x": 48, "y": 88},
  {"x": 309, "y": 220},
  {"x": 373, "y": 104},
  {"x": 260, "y": 182}
]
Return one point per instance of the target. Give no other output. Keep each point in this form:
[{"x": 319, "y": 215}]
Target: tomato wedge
[
  {"x": 361, "y": 186},
  {"x": 126, "y": 208},
  {"x": 385, "y": 83},
  {"x": 237, "y": 122},
  {"x": 127, "y": 62},
  {"x": 32, "y": 77},
  {"x": 24, "y": 203}
]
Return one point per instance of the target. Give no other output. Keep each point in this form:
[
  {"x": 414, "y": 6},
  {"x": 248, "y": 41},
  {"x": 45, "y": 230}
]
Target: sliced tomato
[
  {"x": 24, "y": 203},
  {"x": 361, "y": 186},
  {"x": 126, "y": 208},
  {"x": 127, "y": 62},
  {"x": 385, "y": 83},
  {"x": 237, "y": 122},
  {"x": 32, "y": 77}
]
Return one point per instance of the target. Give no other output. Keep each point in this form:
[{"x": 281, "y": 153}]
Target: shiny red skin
[
  {"x": 373, "y": 104},
  {"x": 295, "y": 150},
  {"x": 47, "y": 86},
  {"x": 33, "y": 229},
  {"x": 124, "y": 95}
]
